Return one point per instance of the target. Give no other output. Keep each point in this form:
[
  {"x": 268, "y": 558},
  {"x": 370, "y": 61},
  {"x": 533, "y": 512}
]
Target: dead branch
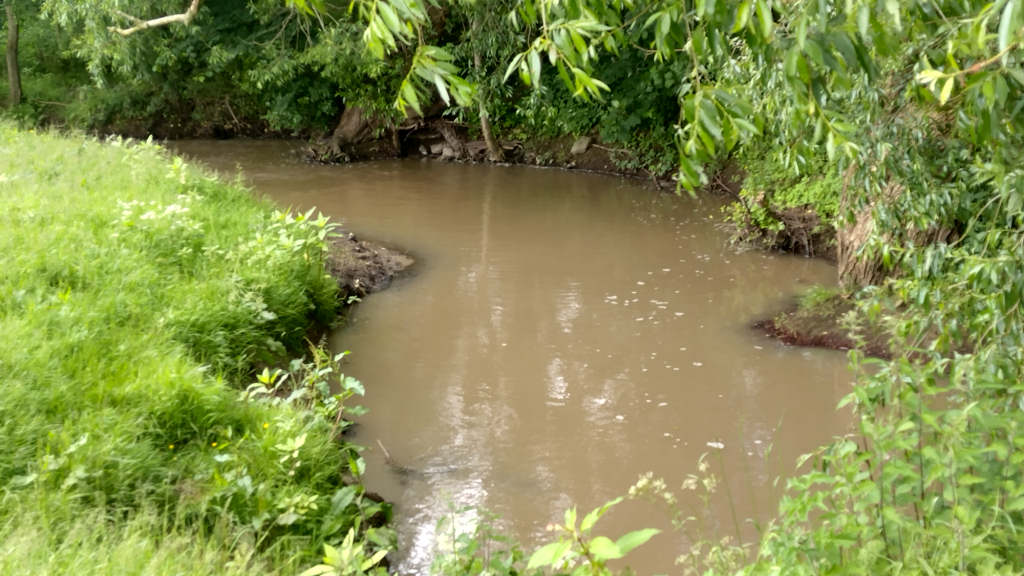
[{"x": 140, "y": 24}]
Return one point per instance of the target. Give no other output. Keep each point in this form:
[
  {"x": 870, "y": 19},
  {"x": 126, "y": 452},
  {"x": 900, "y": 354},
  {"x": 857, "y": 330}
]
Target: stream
[{"x": 560, "y": 334}]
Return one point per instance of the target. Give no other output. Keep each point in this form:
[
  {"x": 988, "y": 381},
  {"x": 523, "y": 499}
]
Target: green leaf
[
  {"x": 564, "y": 75},
  {"x": 893, "y": 8},
  {"x": 548, "y": 555},
  {"x": 764, "y": 15},
  {"x": 442, "y": 89},
  {"x": 970, "y": 480},
  {"x": 742, "y": 14},
  {"x": 318, "y": 570},
  {"x": 602, "y": 548},
  {"x": 387, "y": 14},
  {"x": 570, "y": 518},
  {"x": 534, "y": 60},
  {"x": 864, "y": 19},
  {"x": 636, "y": 538},
  {"x": 513, "y": 66},
  {"x": 331, "y": 555},
  {"x": 947, "y": 90},
  {"x": 929, "y": 76},
  {"x": 408, "y": 96},
  {"x": 1017, "y": 75},
  {"x": 747, "y": 127},
  {"x": 594, "y": 515},
  {"x": 373, "y": 560},
  {"x": 1006, "y": 27}
]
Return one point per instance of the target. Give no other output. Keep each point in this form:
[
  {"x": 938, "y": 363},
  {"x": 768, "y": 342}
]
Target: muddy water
[{"x": 561, "y": 334}]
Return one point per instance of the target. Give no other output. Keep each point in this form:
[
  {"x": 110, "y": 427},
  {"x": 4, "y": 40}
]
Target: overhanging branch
[{"x": 140, "y": 24}]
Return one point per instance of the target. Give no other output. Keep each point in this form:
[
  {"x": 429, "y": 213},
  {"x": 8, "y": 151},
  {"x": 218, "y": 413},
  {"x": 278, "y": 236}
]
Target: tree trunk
[
  {"x": 13, "y": 72},
  {"x": 493, "y": 148},
  {"x": 856, "y": 270}
]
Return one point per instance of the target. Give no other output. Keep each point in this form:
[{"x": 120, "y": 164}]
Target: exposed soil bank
[
  {"x": 820, "y": 324},
  {"x": 361, "y": 267},
  {"x": 359, "y": 137}
]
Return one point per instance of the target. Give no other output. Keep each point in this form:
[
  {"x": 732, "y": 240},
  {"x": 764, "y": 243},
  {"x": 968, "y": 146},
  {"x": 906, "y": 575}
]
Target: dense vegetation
[
  {"x": 898, "y": 124},
  {"x": 130, "y": 328}
]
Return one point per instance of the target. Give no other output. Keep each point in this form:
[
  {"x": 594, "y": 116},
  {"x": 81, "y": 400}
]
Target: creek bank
[
  {"x": 360, "y": 137},
  {"x": 817, "y": 320}
]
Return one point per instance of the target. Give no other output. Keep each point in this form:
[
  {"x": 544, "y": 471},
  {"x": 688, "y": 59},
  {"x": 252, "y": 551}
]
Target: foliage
[
  {"x": 579, "y": 552},
  {"x": 349, "y": 560},
  {"x": 245, "y": 67},
  {"x": 775, "y": 203},
  {"x": 241, "y": 67},
  {"x": 484, "y": 550},
  {"x": 136, "y": 293},
  {"x": 576, "y": 550}
]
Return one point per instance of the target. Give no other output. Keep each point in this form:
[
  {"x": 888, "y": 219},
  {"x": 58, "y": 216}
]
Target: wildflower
[
  {"x": 710, "y": 483},
  {"x": 170, "y": 447},
  {"x": 265, "y": 425},
  {"x": 716, "y": 445},
  {"x": 214, "y": 444}
]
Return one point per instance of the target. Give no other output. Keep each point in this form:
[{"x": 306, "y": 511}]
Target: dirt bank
[
  {"x": 360, "y": 137},
  {"x": 362, "y": 267},
  {"x": 819, "y": 322}
]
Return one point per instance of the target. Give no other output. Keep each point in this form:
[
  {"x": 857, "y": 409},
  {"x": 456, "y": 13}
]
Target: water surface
[{"x": 561, "y": 333}]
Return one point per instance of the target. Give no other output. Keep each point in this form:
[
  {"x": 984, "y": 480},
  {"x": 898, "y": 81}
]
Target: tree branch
[{"x": 183, "y": 18}]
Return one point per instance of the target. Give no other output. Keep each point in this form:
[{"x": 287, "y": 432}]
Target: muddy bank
[
  {"x": 360, "y": 137},
  {"x": 822, "y": 323},
  {"x": 362, "y": 267}
]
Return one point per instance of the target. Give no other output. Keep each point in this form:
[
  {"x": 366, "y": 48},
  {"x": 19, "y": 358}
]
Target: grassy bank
[{"x": 137, "y": 297}]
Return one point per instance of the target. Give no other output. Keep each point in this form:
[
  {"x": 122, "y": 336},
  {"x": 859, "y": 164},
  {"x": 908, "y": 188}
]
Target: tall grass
[{"x": 137, "y": 295}]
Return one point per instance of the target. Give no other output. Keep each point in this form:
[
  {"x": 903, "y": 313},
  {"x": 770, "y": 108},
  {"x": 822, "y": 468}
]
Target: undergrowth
[
  {"x": 781, "y": 208},
  {"x": 137, "y": 297}
]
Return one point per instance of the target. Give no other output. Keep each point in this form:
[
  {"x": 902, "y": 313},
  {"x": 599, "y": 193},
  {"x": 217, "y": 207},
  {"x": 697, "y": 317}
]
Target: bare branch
[{"x": 183, "y": 18}]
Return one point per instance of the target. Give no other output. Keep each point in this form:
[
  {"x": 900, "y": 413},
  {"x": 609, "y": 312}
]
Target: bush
[{"x": 783, "y": 209}]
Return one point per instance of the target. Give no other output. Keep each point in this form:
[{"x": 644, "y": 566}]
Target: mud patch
[
  {"x": 821, "y": 325},
  {"x": 361, "y": 267}
]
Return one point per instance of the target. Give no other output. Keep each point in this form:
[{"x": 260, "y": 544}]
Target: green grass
[{"x": 137, "y": 296}]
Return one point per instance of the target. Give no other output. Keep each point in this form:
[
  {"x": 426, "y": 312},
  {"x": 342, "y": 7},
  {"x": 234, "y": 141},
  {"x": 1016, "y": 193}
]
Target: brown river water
[{"x": 560, "y": 334}]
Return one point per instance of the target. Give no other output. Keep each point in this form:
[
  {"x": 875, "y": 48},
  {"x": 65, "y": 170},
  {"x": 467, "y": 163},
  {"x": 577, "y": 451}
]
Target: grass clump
[{"x": 137, "y": 296}]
